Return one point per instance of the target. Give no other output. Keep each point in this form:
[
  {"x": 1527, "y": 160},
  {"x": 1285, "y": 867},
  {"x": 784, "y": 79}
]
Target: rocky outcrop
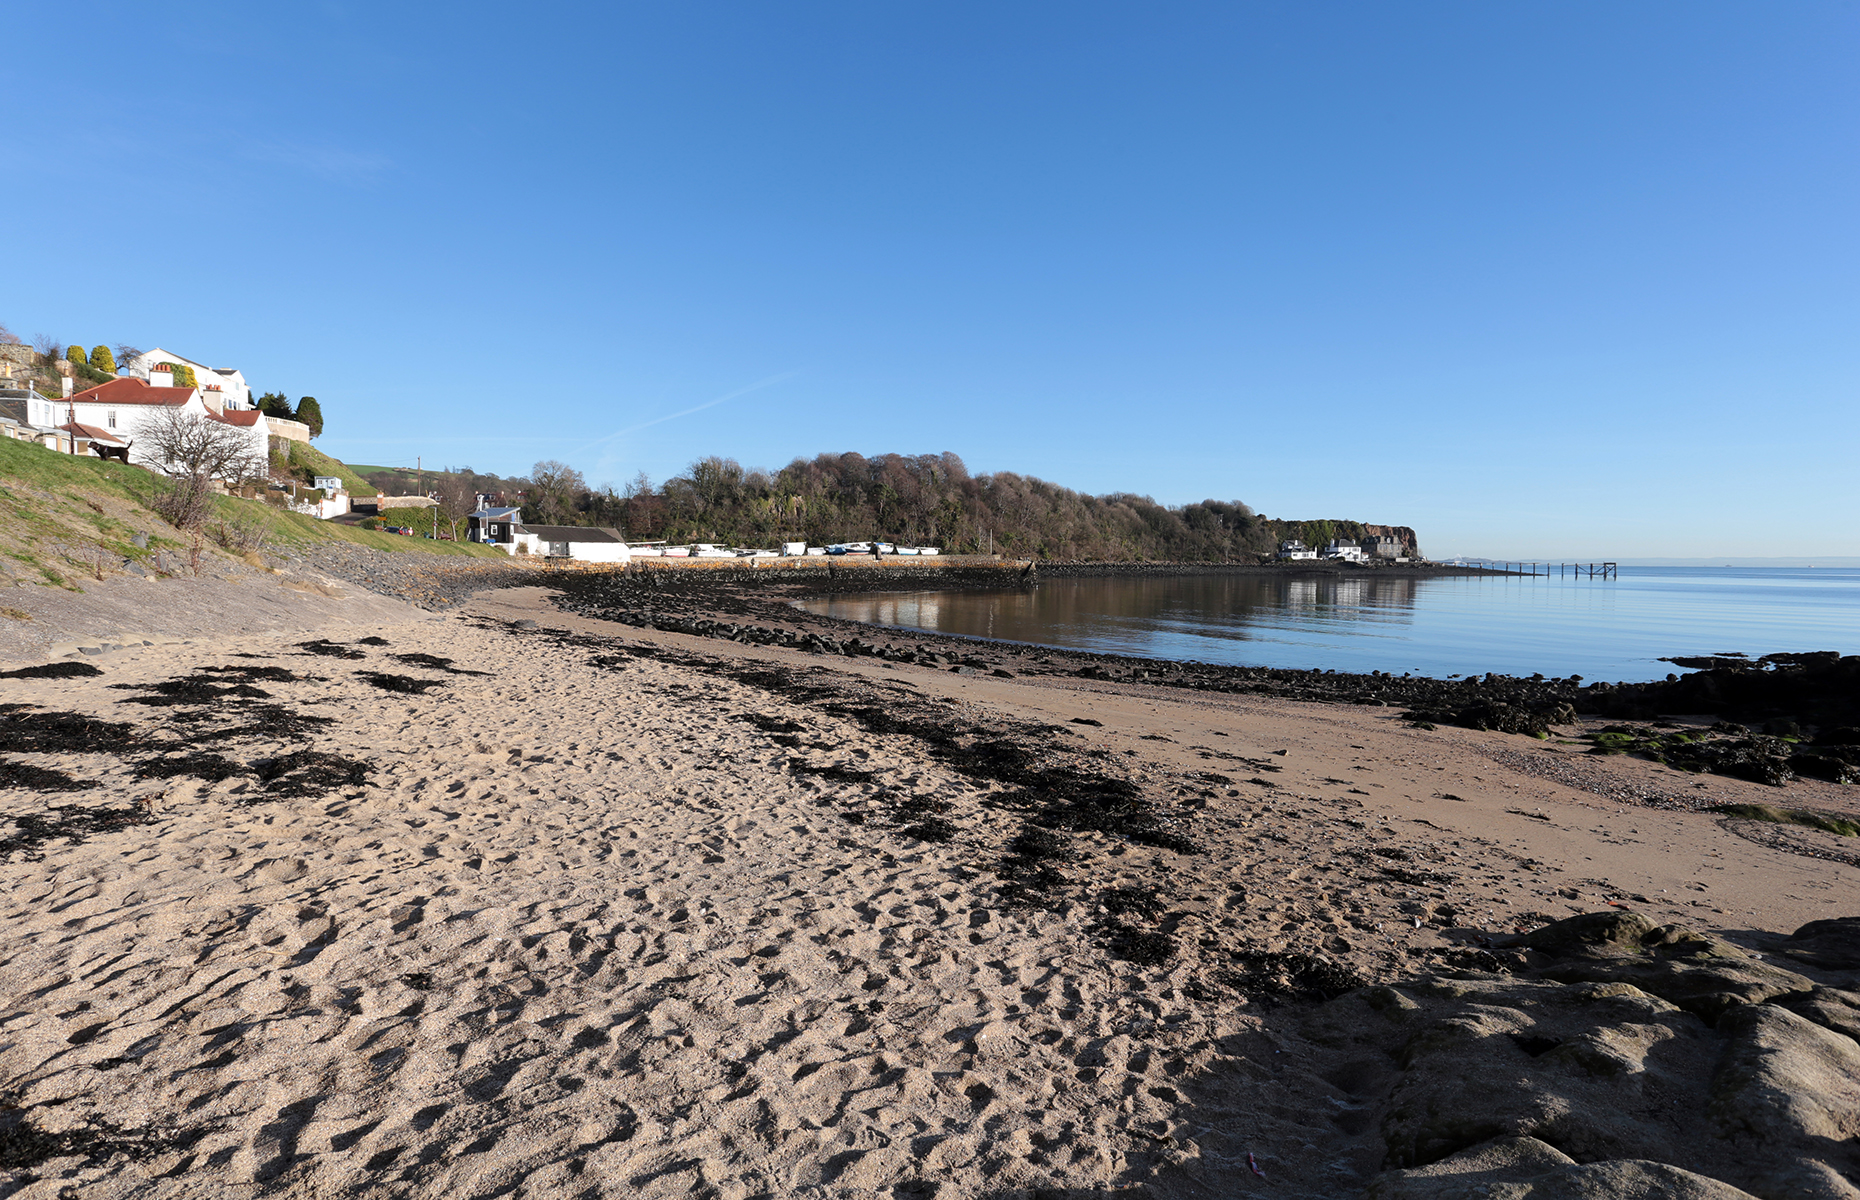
[{"x": 1622, "y": 1059}]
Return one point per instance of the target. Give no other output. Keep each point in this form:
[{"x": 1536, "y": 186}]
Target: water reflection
[
  {"x": 1150, "y": 617},
  {"x": 1616, "y": 629}
]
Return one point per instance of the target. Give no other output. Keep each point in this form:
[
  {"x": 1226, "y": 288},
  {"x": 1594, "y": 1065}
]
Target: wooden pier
[{"x": 1544, "y": 570}]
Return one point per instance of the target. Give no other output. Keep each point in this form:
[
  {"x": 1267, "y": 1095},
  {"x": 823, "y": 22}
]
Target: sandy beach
[{"x": 507, "y": 901}]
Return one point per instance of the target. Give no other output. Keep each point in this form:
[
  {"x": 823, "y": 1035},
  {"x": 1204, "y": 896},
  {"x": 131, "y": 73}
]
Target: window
[{"x": 111, "y": 418}]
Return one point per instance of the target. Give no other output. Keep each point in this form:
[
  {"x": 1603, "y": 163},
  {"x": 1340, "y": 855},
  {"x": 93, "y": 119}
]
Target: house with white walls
[
  {"x": 122, "y": 407},
  {"x": 226, "y": 385}
]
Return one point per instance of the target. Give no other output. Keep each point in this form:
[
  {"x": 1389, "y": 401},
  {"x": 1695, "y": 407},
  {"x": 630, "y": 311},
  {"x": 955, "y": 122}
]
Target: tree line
[{"x": 924, "y": 499}]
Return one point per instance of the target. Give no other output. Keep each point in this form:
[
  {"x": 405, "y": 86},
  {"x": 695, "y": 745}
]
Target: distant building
[
  {"x": 1344, "y": 549},
  {"x": 1292, "y": 548},
  {"x": 493, "y": 526},
  {"x": 1381, "y": 546}
]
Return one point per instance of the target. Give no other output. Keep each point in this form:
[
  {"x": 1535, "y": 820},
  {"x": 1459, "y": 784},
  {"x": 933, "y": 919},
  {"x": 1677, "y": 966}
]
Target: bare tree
[
  {"x": 126, "y": 357},
  {"x": 187, "y": 444},
  {"x": 8, "y": 337},
  {"x": 556, "y": 488},
  {"x": 48, "y": 347}
]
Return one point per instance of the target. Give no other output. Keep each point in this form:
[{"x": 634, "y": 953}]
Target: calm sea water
[{"x": 1615, "y": 629}]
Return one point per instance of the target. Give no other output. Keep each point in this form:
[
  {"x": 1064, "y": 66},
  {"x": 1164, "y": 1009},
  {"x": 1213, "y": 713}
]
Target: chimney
[{"x": 66, "y": 381}]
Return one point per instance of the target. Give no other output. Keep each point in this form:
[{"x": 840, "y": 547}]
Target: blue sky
[{"x": 1539, "y": 280}]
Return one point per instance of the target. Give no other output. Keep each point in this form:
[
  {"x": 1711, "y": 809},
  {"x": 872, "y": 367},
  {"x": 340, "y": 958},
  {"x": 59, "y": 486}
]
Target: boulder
[
  {"x": 1524, "y": 1168},
  {"x": 1832, "y": 945},
  {"x": 1707, "y": 988},
  {"x": 1699, "y": 972},
  {"x": 1573, "y": 1065},
  {"x": 1785, "y": 1080},
  {"x": 1830, "y": 1008}
]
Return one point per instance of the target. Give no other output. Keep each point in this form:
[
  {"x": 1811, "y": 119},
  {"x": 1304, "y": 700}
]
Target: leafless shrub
[
  {"x": 184, "y": 503},
  {"x": 47, "y": 346},
  {"x": 187, "y": 444},
  {"x": 240, "y": 537},
  {"x": 8, "y": 337}
]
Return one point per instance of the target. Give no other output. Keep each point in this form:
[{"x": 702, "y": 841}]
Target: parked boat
[{"x": 678, "y": 552}]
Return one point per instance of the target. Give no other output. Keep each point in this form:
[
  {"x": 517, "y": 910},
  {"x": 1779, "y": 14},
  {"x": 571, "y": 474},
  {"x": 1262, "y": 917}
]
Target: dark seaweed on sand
[
  {"x": 171, "y": 692},
  {"x": 268, "y": 674},
  {"x": 29, "y": 778},
  {"x": 399, "y": 683},
  {"x": 60, "y": 732},
  {"x": 1145, "y": 947},
  {"x": 24, "y": 1145},
  {"x": 434, "y": 662},
  {"x": 198, "y": 764},
  {"x": 310, "y": 773},
  {"x": 833, "y": 771},
  {"x": 372, "y": 640},
  {"x": 251, "y": 722},
  {"x": 329, "y": 649},
  {"x": 1290, "y": 975},
  {"x": 57, "y": 670},
  {"x": 73, "y": 823}
]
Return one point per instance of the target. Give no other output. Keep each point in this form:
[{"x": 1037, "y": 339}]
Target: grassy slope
[
  {"x": 71, "y": 517},
  {"x": 305, "y": 455}
]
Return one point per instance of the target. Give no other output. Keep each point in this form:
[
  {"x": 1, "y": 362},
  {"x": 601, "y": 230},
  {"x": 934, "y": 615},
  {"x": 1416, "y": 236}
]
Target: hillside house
[
  {"x": 1344, "y": 550},
  {"x": 123, "y": 406},
  {"x": 226, "y": 385},
  {"x": 1294, "y": 549},
  {"x": 1381, "y": 545}
]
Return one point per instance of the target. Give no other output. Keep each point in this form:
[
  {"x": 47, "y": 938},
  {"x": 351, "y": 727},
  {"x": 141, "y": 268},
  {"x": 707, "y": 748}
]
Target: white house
[
  {"x": 1345, "y": 549},
  {"x": 223, "y": 384},
  {"x": 1294, "y": 549},
  {"x": 123, "y": 406},
  {"x": 504, "y": 528}
]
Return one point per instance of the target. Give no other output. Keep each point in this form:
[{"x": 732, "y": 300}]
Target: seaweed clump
[
  {"x": 24, "y": 1145},
  {"x": 200, "y": 764},
  {"x": 29, "y": 778},
  {"x": 328, "y": 649},
  {"x": 74, "y": 823},
  {"x": 57, "y": 670},
  {"x": 310, "y": 773},
  {"x": 171, "y": 692},
  {"x": 399, "y": 683},
  {"x": 434, "y": 662},
  {"x": 60, "y": 732},
  {"x": 1291, "y": 975}
]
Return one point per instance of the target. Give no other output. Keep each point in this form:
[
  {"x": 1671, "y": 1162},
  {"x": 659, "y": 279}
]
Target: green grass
[
  {"x": 1790, "y": 816},
  {"x": 75, "y": 484},
  {"x": 305, "y": 455}
]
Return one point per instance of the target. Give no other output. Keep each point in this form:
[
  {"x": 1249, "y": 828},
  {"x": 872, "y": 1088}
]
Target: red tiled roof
[
  {"x": 91, "y": 432},
  {"x": 127, "y": 389},
  {"x": 244, "y": 417}
]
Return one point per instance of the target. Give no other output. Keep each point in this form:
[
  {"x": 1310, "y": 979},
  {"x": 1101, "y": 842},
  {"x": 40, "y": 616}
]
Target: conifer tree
[
  {"x": 311, "y": 414},
  {"x": 102, "y": 360},
  {"x": 75, "y": 354}
]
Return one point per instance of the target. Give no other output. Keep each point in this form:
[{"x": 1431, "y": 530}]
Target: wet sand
[{"x": 637, "y": 913}]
